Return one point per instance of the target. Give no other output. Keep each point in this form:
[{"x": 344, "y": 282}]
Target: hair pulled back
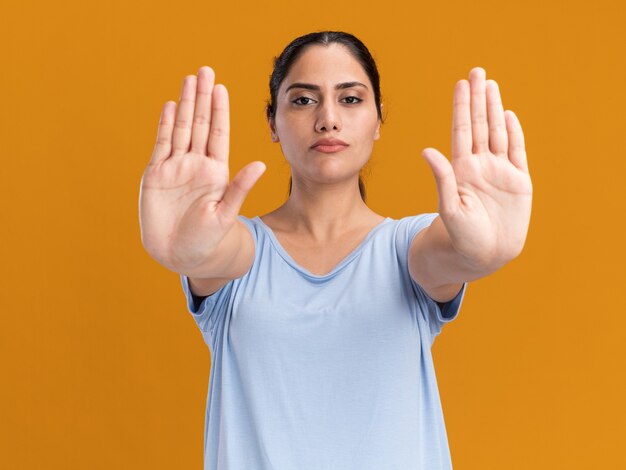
[{"x": 284, "y": 62}]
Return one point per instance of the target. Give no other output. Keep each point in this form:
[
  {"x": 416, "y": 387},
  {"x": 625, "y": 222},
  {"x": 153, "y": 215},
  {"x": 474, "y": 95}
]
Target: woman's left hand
[{"x": 485, "y": 192}]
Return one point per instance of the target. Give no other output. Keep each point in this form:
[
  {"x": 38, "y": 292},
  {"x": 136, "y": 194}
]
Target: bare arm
[
  {"x": 485, "y": 194},
  {"x": 437, "y": 267},
  {"x": 231, "y": 260},
  {"x": 187, "y": 207}
]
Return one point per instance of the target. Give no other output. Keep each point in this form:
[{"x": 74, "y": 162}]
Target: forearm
[
  {"x": 437, "y": 263},
  {"x": 224, "y": 261}
]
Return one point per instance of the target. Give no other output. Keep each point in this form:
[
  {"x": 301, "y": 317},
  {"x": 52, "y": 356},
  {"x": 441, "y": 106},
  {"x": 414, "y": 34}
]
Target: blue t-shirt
[{"x": 329, "y": 372}]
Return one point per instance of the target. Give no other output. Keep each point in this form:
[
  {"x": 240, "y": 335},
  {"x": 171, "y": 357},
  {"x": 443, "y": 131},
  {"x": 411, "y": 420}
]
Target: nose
[{"x": 328, "y": 119}]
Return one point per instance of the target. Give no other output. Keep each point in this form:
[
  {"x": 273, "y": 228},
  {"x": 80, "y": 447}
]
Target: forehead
[{"x": 326, "y": 66}]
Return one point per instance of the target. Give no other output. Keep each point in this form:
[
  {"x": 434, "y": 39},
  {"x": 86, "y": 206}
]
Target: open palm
[
  {"x": 187, "y": 204},
  {"x": 485, "y": 192}
]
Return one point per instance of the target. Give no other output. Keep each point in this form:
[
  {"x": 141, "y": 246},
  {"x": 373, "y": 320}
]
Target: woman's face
[{"x": 326, "y": 95}]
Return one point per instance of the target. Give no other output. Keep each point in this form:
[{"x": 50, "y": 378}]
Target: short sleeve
[
  {"x": 215, "y": 305},
  {"x": 437, "y": 314},
  {"x": 211, "y": 306}
]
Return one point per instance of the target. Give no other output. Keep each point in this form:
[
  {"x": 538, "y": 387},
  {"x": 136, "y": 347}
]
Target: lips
[{"x": 329, "y": 145}]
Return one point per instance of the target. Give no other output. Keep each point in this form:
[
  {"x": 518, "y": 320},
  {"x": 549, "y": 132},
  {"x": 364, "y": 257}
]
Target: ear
[
  {"x": 377, "y": 133},
  {"x": 273, "y": 133}
]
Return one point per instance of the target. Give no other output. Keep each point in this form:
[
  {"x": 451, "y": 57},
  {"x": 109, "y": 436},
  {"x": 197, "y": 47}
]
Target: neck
[{"x": 325, "y": 212}]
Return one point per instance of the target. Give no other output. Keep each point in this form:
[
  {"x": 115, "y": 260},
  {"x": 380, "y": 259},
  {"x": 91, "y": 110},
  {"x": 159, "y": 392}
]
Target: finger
[
  {"x": 239, "y": 188},
  {"x": 461, "y": 121},
  {"x": 219, "y": 134},
  {"x": 517, "y": 147},
  {"x": 445, "y": 179},
  {"x": 202, "y": 110},
  {"x": 498, "y": 141},
  {"x": 480, "y": 129},
  {"x": 182, "y": 126},
  {"x": 163, "y": 145}
]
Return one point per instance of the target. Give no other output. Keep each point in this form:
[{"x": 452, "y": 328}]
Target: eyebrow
[{"x": 310, "y": 86}]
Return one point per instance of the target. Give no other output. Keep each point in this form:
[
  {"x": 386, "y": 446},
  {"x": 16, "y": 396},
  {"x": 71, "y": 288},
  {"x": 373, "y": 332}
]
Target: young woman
[{"x": 321, "y": 314}]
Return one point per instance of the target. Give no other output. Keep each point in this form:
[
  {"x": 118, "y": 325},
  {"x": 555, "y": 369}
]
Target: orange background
[{"x": 102, "y": 366}]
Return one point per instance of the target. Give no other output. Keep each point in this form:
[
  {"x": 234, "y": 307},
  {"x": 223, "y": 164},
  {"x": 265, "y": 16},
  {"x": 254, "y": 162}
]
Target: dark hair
[{"x": 283, "y": 63}]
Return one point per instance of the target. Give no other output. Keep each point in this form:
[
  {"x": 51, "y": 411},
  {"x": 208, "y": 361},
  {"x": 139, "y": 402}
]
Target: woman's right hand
[{"x": 186, "y": 204}]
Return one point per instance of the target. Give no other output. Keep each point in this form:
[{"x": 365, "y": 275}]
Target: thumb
[
  {"x": 238, "y": 189},
  {"x": 445, "y": 179}
]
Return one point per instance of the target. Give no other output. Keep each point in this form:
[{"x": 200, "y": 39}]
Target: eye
[
  {"x": 299, "y": 102},
  {"x": 357, "y": 100}
]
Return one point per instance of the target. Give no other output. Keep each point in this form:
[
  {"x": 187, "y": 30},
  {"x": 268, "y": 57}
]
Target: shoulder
[{"x": 406, "y": 228}]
